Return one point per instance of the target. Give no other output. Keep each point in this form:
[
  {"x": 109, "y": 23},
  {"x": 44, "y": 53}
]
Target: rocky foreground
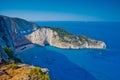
[
  {"x": 12, "y": 68},
  {"x": 14, "y": 71}
]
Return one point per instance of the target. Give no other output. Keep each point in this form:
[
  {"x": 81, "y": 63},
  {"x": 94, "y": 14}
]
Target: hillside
[
  {"x": 22, "y": 32},
  {"x": 62, "y": 39},
  {"x": 12, "y": 31}
]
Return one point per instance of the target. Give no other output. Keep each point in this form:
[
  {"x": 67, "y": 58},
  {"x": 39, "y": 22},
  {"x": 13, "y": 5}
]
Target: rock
[
  {"x": 62, "y": 39},
  {"x": 10, "y": 38},
  {"x": 24, "y": 72},
  {"x": 19, "y": 32},
  {"x": 16, "y": 29},
  {"x": 45, "y": 70}
]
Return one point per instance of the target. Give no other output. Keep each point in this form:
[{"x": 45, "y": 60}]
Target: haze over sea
[{"x": 82, "y": 64}]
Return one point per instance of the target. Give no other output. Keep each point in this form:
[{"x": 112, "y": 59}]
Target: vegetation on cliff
[
  {"x": 12, "y": 71},
  {"x": 36, "y": 73},
  {"x": 9, "y": 52},
  {"x": 11, "y": 55},
  {"x": 16, "y": 70},
  {"x": 68, "y": 40},
  {"x": 61, "y": 32}
]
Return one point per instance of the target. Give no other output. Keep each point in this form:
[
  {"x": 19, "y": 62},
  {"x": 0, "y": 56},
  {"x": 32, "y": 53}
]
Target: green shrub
[
  {"x": 61, "y": 32},
  {"x": 36, "y": 71},
  {"x": 46, "y": 77},
  {"x": 9, "y": 52},
  {"x": 17, "y": 60},
  {"x": 37, "y": 74},
  {"x": 13, "y": 66}
]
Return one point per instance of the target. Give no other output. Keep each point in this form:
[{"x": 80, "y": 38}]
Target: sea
[{"x": 80, "y": 64}]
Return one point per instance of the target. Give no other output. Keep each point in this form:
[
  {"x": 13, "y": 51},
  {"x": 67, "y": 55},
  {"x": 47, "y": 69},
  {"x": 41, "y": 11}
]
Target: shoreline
[{"x": 28, "y": 46}]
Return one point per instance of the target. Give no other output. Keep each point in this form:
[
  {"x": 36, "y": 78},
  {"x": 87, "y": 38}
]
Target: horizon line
[{"x": 60, "y": 20}]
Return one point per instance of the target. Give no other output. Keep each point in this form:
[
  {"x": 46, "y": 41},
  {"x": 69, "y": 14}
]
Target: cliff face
[
  {"x": 17, "y": 29},
  {"x": 12, "y": 35},
  {"x": 22, "y": 32},
  {"x": 62, "y": 39}
]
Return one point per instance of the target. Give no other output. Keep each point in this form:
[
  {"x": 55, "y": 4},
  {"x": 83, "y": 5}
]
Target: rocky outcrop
[
  {"x": 16, "y": 30},
  {"x": 14, "y": 71},
  {"x": 12, "y": 35},
  {"x": 62, "y": 39},
  {"x": 20, "y": 32}
]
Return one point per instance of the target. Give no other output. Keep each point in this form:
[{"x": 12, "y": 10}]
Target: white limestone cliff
[
  {"x": 51, "y": 36},
  {"x": 19, "y": 32}
]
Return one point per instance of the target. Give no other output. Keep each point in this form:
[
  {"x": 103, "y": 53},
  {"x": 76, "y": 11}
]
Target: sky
[{"x": 62, "y": 10}]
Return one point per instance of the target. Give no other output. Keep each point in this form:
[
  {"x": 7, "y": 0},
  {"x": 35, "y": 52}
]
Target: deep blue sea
[{"x": 82, "y": 64}]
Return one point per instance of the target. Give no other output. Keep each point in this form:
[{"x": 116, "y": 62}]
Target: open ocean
[{"x": 82, "y": 64}]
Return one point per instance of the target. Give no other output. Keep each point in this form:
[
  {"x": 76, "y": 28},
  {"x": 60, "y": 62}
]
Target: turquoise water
[{"x": 83, "y": 64}]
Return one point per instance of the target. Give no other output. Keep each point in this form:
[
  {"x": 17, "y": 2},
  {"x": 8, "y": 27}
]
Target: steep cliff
[
  {"x": 23, "y": 32},
  {"x": 16, "y": 28},
  {"x": 62, "y": 39},
  {"x": 12, "y": 35}
]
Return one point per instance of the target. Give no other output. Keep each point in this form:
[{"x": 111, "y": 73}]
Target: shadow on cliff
[
  {"x": 61, "y": 68},
  {"x": 20, "y": 40}
]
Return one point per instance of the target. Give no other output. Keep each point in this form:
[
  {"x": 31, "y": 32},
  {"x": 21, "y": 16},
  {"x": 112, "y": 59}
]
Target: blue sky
[{"x": 62, "y": 10}]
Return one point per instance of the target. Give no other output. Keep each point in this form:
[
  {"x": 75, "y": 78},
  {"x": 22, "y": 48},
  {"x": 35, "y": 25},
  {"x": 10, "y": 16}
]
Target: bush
[
  {"x": 36, "y": 71},
  {"x": 37, "y": 74},
  {"x": 13, "y": 66},
  {"x": 9, "y": 52},
  {"x": 17, "y": 60}
]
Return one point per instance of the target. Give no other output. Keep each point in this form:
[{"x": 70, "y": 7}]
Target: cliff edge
[
  {"x": 22, "y": 32},
  {"x": 62, "y": 39}
]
